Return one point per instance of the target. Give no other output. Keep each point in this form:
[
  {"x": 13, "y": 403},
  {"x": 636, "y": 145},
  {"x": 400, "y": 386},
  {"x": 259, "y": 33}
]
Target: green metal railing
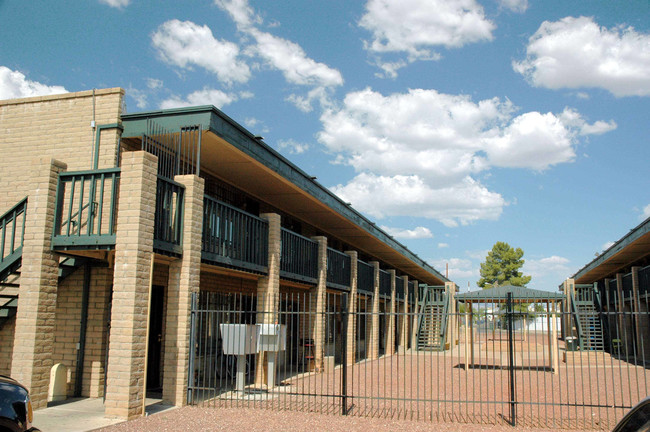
[
  {"x": 365, "y": 278},
  {"x": 233, "y": 237},
  {"x": 168, "y": 220},
  {"x": 299, "y": 258},
  {"x": 12, "y": 233},
  {"x": 85, "y": 213},
  {"x": 338, "y": 269}
]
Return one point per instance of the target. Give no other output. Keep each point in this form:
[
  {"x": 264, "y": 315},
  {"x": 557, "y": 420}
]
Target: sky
[{"x": 453, "y": 124}]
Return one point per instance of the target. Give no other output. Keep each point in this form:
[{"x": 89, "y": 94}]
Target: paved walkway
[{"x": 81, "y": 415}]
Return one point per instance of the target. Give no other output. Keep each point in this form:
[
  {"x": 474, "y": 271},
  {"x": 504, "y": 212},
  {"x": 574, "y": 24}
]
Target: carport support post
[
  {"x": 373, "y": 349},
  {"x": 34, "y": 335},
  {"x": 184, "y": 279}
]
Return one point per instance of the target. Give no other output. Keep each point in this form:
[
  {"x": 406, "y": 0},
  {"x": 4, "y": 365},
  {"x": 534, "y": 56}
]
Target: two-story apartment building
[{"x": 110, "y": 222}]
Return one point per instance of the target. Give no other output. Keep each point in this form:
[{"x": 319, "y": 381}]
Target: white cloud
[
  {"x": 578, "y": 53},
  {"x": 207, "y": 96},
  {"x": 414, "y": 27},
  {"x": 518, "y": 6},
  {"x": 646, "y": 212},
  {"x": 119, "y": 4},
  {"x": 382, "y": 196},
  {"x": 430, "y": 146},
  {"x": 459, "y": 268},
  {"x": 184, "y": 43},
  {"x": 443, "y": 245},
  {"x": 607, "y": 245},
  {"x": 402, "y": 233},
  {"x": 154, "y": 84},
  {"x": 554, "y": 265},
  {"x": 283, "y": 55},
  {"x": 293, "y": 147},
  {"x": 14, "y": 84}
]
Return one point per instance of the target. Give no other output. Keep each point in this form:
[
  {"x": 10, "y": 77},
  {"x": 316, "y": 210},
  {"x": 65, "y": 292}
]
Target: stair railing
[
  {"x": 576, "y": 318},
  {"x": 12, "y": 232}
]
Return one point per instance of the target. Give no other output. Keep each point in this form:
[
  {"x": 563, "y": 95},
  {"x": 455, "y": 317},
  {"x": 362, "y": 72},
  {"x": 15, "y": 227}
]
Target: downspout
[{"x": 83, "y": 323}]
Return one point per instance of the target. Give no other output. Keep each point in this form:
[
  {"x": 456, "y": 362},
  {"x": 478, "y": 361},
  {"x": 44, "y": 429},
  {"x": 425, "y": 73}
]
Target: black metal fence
[{"x": 501, "y": 363}]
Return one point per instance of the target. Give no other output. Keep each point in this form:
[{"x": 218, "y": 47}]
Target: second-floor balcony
[{"x": 86, "y": 218}]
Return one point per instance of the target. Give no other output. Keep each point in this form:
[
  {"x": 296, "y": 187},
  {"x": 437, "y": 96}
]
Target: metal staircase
[
  {"x": 432, "y": 327},
  {"x": 587, "y": 318}
]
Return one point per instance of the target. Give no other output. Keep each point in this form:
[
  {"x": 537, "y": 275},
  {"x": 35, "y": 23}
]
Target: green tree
[{"x": 501, "y": 267}]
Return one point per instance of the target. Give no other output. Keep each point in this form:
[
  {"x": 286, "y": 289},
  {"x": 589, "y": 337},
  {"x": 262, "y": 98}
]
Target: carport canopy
[{"x": 499, "y": 294}]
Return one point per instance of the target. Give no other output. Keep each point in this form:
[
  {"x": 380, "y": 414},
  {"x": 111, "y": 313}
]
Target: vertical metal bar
[
  {"x": 73, "y": 182},
  {"x": 190, "y": 375},
  {"x": 511, "y": 359},
  {"x": 344, "y": 341}
]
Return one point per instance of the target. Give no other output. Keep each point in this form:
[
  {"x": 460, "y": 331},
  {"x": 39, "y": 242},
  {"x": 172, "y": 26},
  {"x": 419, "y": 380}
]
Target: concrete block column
[
  {"x": 184, "y": 279},
  {"x": 404, "y": 329},
  {"x": 34, "y": 335},
  {"x": 415, "y": 318},
  {"x": 351, "y": 346},
  {"x": 373, "y": 343},
  {"x": 318, "y": 299},
  {"x": 452, "y": 329},
  {"x": 131, "y": 282},
  {"x": 392, "y": 322},
  {"x": 640, "y": 319},
  {"x": 268, "y": 287}
]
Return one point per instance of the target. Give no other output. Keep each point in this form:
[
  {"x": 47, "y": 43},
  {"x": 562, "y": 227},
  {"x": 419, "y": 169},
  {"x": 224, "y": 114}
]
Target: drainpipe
[{"x": 81, "y": 346}]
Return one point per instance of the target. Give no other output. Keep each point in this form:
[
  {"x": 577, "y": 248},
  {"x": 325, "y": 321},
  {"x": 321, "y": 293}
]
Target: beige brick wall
[
  {"x": 7, "y": 345},
  {"x": 57, "y": 127},
  {"x": 67, "y": 327}
]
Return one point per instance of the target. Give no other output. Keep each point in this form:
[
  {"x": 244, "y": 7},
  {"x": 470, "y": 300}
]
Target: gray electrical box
[
  {"x": 272, "y": 337},
  {"x": 239, "y": 339}
]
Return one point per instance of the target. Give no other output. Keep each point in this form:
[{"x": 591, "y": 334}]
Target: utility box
[
  {"x": 272, "y": 337},
  {"x": 239, "y": 339}
]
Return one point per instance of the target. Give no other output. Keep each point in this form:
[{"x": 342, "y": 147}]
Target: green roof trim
[
  {"x": 500, "y": 294},
  {"x": 634, "y": 234},
  {"x": 212, "y": 119}
]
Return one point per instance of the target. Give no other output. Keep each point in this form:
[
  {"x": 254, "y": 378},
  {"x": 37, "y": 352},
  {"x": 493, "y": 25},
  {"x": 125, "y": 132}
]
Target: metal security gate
[{"x": 501, "y": 363}]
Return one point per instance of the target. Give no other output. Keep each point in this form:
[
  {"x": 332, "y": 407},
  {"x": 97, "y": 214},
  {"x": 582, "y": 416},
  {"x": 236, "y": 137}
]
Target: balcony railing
[
  {"x": 365, "y": 278},
  {"x": 233, "y": 237},
  {"x": 384, "y": 284},
  {"x": 338, "y": 270},
  {"x": 411, "y": 292},
  {"x": 12, "y": 232},
  {"x": 399, "y": 288},
  {"x": 299, "y": 259},
  {"x": 85, "y": 212},
  {"x": 168, "y": 220}
]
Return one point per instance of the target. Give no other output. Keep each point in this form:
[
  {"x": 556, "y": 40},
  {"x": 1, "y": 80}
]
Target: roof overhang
[
  {"x": 628, "y": 251},
  {"x": 232, "y": 153}
]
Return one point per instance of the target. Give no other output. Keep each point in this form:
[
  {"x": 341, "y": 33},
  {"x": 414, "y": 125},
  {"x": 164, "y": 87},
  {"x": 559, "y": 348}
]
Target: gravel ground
[{"x": 250, "y": 419}]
